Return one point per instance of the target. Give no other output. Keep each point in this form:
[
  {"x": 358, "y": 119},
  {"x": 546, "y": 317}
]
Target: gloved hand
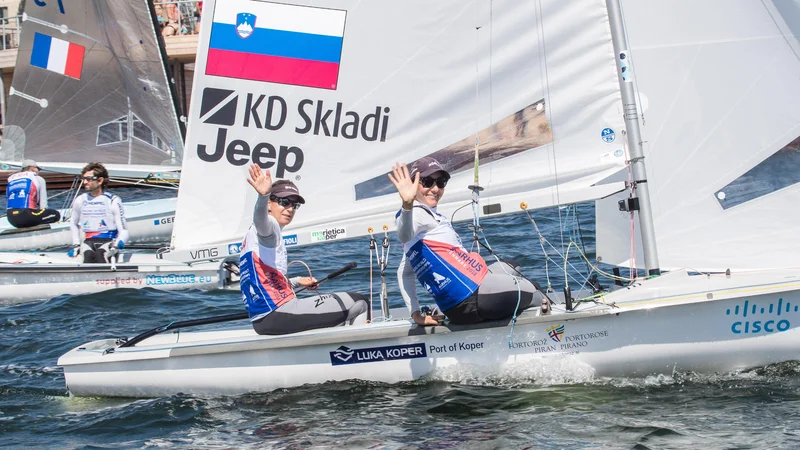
[
  {"x": 120, "y": 244},
  {"x": 74, "y": 251}
]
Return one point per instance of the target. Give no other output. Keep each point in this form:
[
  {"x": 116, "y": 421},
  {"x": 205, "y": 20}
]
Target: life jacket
[
  {"x": 97, "y": 215},
  {"x": 262, "y": 272},
  {"x": 442, "y": 265},
  {"x": 23, "y": 190}
]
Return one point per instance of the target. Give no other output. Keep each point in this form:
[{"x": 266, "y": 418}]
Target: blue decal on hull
[
  {"x": 344, "y": 355},
  {"x": 777, "y": 323}
]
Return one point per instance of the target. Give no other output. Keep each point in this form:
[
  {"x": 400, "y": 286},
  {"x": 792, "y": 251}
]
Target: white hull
[
  {"x": 148, "y": 221},
  {"x": 673, "y": 323},
  {"x": 28, "y": 277}
]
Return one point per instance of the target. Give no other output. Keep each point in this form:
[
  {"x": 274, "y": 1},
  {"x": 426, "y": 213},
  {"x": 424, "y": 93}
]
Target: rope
[
  {"x": 297, "y": 261},
  {"x": 516, "y": 279}
]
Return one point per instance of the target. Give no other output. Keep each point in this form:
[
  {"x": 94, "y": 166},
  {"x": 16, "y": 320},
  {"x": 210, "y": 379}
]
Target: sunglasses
[
  {"x": 285, "y": 202},
  {"x": 91, "y": 178},
  {"x": 428, "y": 182}
]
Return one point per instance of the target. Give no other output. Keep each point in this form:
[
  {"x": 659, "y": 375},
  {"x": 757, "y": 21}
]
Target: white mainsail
[
  {"x": 413, "y": 79},
  {"x": 721, "y": 134},
  {"x": 90, "y": 84}
]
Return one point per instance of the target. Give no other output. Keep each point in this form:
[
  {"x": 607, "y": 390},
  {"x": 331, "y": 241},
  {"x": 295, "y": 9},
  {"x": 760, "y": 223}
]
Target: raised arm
[
  {"x": 407, "y": 188},
  {"x": 267, "y": 228}
]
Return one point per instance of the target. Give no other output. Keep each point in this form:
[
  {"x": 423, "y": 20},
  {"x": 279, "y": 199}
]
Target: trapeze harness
[
  {"x": 26, "y": 196},
  {"x": 454, "y": 276},
  {"x": 271, "y": 302},
  {"x": 102, "y": 220}
]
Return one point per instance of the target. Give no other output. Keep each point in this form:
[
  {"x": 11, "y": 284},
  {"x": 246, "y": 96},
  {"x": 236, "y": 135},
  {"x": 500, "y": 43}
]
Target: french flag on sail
[
  {"x": 57, "y": 55},
  {"x": 276, "y": 43}
]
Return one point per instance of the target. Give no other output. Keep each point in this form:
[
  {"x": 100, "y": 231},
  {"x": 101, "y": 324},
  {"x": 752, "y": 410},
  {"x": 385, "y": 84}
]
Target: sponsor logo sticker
[
  {"x": 172, "y": 278},
  {"x": 608, "y": 135},
  {"x": 555, "y": 332},
  {"x": 345, "y": 355},
  {"x": 559, "y": 340},
  {"x": 164, "y": 221},
  {"x": 328, "y": 234},
  {"x": 290, "y": 240},
  {"x": 756, "y": 318}
]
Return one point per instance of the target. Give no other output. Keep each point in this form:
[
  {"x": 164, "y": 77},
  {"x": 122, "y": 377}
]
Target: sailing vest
[
  {"x": 23, "y": 190},
  {"x": 442, "y": 264},
  {"x": 97, "y": 216},
  {"x": 262, "y": 272}
]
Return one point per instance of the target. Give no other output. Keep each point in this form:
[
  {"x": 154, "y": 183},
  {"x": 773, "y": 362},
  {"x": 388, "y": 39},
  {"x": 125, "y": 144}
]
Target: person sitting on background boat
[
  {"x": 267, "y": 293},
  {"x": 464, "y": 288},
  {"x": 26, "y": 196},
  {"x": 101, "y": 217}
]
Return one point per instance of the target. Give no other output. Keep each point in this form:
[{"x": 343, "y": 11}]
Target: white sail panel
[
  {"x": 535, "y": 81},
  {"x": 721, "y": 133},
  {"x": 90, "y": 84}
]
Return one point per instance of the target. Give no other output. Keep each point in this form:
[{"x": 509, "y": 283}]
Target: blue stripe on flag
[
  {"x": 41, "y": 50},
  {"x": 289, "y": 44}
]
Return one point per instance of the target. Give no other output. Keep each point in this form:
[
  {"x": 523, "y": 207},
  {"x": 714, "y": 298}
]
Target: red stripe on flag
[
  {"x": 74, "y": 61},
  {"x": 273, "y": 69}
]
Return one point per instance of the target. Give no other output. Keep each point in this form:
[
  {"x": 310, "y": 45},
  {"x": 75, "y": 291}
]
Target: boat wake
[{"x": 560, "y": 369}]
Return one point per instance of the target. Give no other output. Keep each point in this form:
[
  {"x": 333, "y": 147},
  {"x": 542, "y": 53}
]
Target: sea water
[{"x": 558, "y": 406}]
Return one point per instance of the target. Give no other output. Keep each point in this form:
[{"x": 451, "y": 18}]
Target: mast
[{"x": 639, "y": 188}]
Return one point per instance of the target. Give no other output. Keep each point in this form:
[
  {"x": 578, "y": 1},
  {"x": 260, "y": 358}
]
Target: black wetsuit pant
[
  {"x": 503, "y": 293},
  {"x": 94, "y": 250},
  {"x": 26, "y": 217},
  {"x": 310, "y": 313}
]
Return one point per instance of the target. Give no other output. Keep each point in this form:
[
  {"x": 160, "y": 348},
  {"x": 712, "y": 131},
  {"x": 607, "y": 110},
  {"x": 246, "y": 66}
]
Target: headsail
[
  {"x": 330, "y": 98},
  {"x": 722, "y": 129},
  {"x": 90, "y": 84}
]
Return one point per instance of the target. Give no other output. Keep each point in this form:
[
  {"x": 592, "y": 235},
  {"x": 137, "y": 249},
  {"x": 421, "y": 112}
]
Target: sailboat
[
  {"x": 450, "y": 70},
  {"x": 116, "y": 107},
  {"x": 91, "y": 84}
]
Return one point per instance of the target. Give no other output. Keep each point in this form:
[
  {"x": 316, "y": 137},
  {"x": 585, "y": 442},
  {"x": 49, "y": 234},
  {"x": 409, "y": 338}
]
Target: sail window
[
  {"x": 116, "y": 131},
  {"x": 778, "y": 171}
]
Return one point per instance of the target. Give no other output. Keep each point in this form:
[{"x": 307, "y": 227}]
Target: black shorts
[
  {"x": 94, "y": 250},
  {"x": 26, "y": 217}
]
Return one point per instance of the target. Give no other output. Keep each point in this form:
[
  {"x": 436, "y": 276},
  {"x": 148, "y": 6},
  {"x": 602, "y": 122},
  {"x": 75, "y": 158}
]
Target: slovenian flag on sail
[
  {"x": 57, "y": 55},
  {"x": 276, "y": 43}
]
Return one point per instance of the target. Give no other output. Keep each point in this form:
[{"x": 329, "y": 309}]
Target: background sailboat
[{"x": 91, "y": 84}]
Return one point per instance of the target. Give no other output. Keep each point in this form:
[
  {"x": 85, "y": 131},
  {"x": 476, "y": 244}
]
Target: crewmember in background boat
[
  {"x": 26, "y": 196},
  {"x": 465, "y": 289},
  {"x": 99, "y": 215},
  {"x": 268, "y": 294}
]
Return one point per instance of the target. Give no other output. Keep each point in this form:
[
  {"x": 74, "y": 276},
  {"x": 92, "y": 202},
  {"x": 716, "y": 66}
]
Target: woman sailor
[
  {"x": 268, "y": 295},
  {"x": 465, "y": 289}
]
